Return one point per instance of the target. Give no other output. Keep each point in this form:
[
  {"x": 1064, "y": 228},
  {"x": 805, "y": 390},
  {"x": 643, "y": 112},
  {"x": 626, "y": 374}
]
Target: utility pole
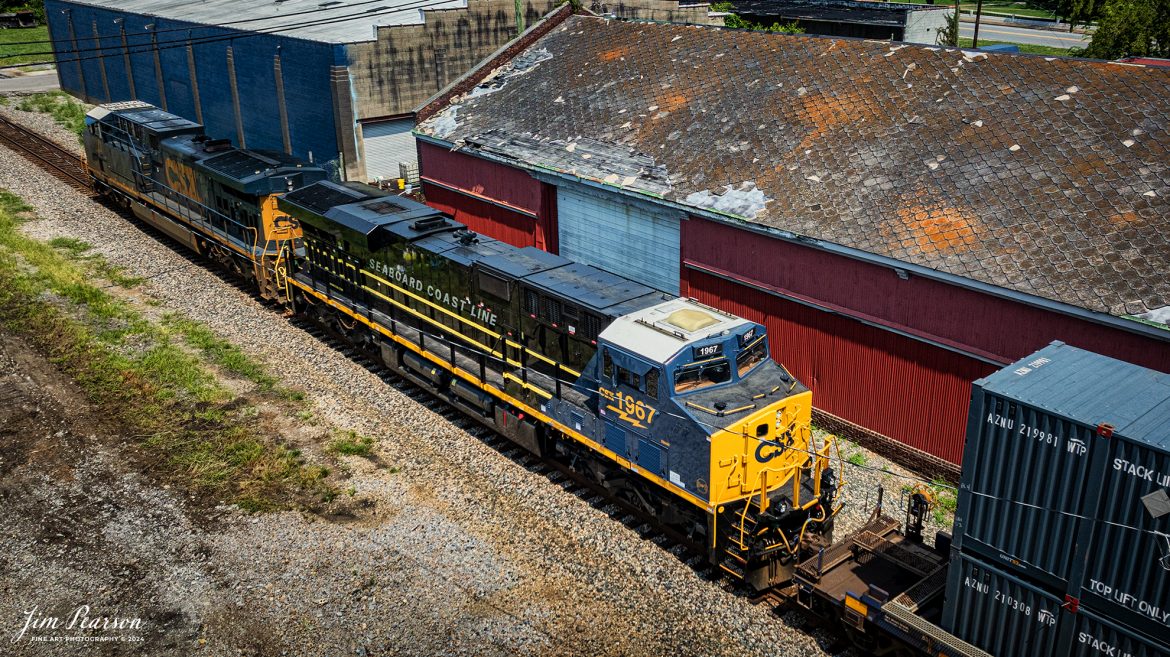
[{"x": 978, "y": 13}]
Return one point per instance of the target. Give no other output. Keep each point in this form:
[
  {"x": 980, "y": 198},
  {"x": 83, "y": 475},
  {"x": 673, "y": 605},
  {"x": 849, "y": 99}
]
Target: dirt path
[{"x": 80, "y": 526}]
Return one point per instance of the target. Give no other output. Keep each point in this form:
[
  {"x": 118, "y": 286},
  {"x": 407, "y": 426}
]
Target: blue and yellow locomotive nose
[{"x": 723, "y": 422}]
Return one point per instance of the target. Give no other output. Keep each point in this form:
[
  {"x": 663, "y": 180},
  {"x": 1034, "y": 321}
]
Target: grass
[
  {"x": 61, "y": 106},
  {"x": 22, "y": 52},
  {"x": 946, "y": 500},
  {"x": 351, "y": 443},
  {"x": 139, "y": 374},
  {"x": 857, "y": 458},
  {"x": 993, "y": 7},
  {"x": 1049, "y": 51},
  {"x": 77, "y": 249},
  {"x": 220, "y": 351},
  {"x": 1021, "y": 9}
]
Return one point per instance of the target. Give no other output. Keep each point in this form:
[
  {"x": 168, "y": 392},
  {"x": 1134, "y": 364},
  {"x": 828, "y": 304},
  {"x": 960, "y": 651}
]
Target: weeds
[
  {"x": 857, "y": 458},
  {"x": 78, "y": 250},
  {"x": 66, "y": 111},
  {"x": 70, "y": 244},
  {"x": 350, "y": 443},
  {"x": 946, "y": 501},
  {"x": 197, "y": 429},
  {"x": 219, "y": 351}
]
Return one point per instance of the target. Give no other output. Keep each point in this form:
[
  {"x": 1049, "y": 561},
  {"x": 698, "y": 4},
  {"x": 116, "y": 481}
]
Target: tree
[
  {"x": 949, "y": 35},
  {"x": 1133, "y": 28},
  {"x": 37, "y": 7},
  {"x": 1079, "y": 12}
]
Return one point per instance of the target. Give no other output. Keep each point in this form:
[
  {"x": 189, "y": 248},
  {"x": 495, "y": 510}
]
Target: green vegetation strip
[
  {"x": 1049, "y": 51},
  {"x": 23, "y": 51},
  {"x": 351, "y": 443},
  {"x": 148, "y": 376},
  {"x": 66, "y": 111}
]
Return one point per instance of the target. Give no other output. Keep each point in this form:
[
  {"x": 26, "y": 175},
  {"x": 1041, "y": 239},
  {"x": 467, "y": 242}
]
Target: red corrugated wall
[
  {"x": 852, "y": 346},
  {"x": 484, "y": 218},
  {"x": 972, "y": 321},
  {"x": 490, "y": 198},
  {"x": 890, "y": 384}
]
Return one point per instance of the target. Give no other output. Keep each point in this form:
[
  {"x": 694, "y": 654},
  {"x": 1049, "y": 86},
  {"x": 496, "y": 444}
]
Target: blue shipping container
[{"x": 1065, "y": 482}]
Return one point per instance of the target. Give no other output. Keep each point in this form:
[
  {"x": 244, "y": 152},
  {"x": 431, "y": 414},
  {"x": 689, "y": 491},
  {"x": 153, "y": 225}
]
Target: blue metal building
[{"x": 334, "y": 82}]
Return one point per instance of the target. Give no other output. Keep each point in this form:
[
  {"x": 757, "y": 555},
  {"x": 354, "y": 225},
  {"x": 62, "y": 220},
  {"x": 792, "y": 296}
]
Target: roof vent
[
  {"x": 429, "y": 223},
  {"x": 691, "y": 320},
  {"x": 217, "y": 145}
]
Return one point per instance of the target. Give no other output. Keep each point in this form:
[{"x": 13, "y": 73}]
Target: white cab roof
[{"x": 659, "y": 332}]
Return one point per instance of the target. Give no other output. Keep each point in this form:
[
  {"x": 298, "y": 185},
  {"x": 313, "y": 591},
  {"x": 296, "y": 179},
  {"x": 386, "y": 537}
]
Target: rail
[{"x": 46, "y": 154}]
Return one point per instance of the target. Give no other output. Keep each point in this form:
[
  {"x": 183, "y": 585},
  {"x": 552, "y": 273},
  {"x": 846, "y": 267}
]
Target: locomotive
[
  {"x": 214, "y": 198},
  {"x": 673, "y": 406}
]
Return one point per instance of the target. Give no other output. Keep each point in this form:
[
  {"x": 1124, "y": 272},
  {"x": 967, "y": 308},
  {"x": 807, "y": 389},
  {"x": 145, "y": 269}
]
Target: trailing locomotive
[
  {"x": 672, "y": 405},
  {"x": 215, "y": 198}
]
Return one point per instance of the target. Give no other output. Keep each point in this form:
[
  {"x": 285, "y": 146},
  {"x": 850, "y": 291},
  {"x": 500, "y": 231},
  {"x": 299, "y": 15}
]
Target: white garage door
[
  {"x": 387, "y": 143},
  {"x": 608, "y": 232}
]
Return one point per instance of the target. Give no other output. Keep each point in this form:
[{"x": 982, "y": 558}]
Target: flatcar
[{"x": 672, "y": 405}]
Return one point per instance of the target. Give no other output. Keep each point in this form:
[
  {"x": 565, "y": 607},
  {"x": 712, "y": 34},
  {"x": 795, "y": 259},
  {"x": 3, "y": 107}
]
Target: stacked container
[{"x": 1062, "y": 533}]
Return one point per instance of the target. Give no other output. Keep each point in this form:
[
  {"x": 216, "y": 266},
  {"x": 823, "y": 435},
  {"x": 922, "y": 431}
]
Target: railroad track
[{"x": 46, "y": 154}]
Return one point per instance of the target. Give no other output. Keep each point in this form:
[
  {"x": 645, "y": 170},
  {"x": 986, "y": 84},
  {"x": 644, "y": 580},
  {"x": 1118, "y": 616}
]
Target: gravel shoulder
[{"x": 450, "y": 548}]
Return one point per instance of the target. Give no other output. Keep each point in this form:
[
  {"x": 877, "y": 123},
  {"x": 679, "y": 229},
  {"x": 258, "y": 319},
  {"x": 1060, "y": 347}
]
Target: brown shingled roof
[{"x": 1047, "y": 176}]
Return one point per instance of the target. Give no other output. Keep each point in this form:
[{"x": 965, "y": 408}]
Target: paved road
[
  {"x": 32, "y": 82},
  {"x": 1024, "y": 35}
]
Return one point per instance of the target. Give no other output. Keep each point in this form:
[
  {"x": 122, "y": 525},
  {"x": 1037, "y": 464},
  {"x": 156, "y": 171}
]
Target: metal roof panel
[
  {"x": 1091, "y": 389},
  {"x": 348, "y": 21}
]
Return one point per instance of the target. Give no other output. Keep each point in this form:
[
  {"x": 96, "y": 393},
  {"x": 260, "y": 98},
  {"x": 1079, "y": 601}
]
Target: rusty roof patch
[{"x": 1047, "y": 176}]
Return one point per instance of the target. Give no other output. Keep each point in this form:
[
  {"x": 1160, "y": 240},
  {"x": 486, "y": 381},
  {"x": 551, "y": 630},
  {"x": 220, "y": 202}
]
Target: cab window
[
  {"x": 629, "y": 379},
  {"x": 652, "y": 383},
  {"x": 750, "y": 357},
  {"x": 702, "y": 375}
]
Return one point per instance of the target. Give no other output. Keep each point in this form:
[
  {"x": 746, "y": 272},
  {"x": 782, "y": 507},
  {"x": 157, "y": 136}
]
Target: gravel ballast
[{"x": 459, "y": 550}]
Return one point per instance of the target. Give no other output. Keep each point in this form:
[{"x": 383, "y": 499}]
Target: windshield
[
  {"x": 702, "y": 375},
  {"x": 753, "y": 355}
]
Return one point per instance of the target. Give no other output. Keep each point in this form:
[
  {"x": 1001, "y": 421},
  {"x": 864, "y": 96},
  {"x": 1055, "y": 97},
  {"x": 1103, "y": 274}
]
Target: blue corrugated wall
[{"x": 305, "y": 64}]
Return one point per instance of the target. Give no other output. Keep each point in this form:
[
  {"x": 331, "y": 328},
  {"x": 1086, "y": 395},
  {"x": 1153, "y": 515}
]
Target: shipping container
[
  {"x": 1065, "y": 478},
  {"x": 1127, "y": 573},
  {"x": 1009, "y": 617},
  {"x": 998, "y": 612},
  {"x": 1024, "y": 487},
  {"x": 1094, "y": 636}
]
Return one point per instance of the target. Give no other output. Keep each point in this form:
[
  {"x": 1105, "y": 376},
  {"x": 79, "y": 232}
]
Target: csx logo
[
  {"x": 775, "y": 449},
  {"x": 182, "y": 179}
]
